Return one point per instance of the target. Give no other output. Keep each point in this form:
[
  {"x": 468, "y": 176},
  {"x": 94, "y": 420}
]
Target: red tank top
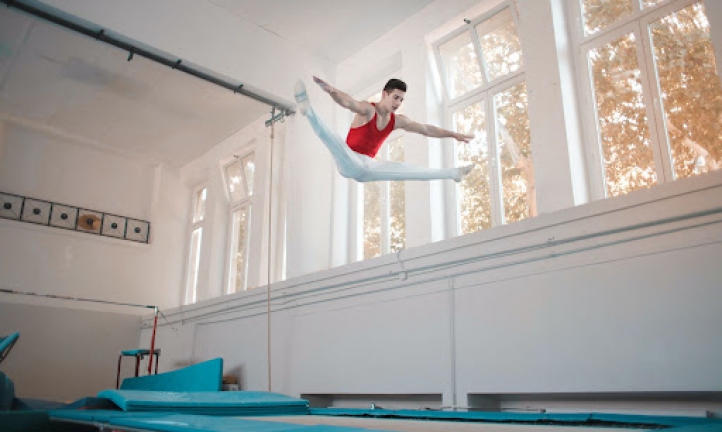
[{"x": 367, "y": 139}]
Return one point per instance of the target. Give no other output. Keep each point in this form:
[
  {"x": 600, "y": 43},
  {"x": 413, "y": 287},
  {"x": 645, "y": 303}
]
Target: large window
[
  {"x": 656, "y": 102},
  {"x": 196, "y": 236},
  {"x": 384, "y": 203},
  {"x": 239, "y": 176},
  {"x": 485, "y": 91}
]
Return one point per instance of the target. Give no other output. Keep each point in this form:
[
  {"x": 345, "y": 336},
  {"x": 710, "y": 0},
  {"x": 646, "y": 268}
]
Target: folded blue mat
[
  {"x": 205, "y": 376},
  {"x": 208, "y": 403}
]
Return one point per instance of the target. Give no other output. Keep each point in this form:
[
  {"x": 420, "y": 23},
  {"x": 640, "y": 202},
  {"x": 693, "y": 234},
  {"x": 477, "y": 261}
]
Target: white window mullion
[{"x": 590, "y": 117}]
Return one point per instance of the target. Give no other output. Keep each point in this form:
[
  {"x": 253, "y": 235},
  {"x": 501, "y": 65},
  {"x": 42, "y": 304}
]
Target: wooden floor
[{"x": 431, "y": 426}]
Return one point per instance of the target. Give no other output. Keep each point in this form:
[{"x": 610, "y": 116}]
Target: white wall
[
  {"x": 66, "y": 354},
  {"x": 54, "y": 261},
  {"x": 45, "y": 260}
]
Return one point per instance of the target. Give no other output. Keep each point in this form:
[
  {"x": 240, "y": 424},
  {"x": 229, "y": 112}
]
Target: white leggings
[{"x": 365, "y": 169}]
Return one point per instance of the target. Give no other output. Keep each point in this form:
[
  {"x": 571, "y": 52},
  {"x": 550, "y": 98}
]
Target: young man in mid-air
[{"x": 372, "y": 124}]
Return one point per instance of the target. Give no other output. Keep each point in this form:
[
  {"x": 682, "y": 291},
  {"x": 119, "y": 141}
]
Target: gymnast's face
[{"x": 392, "y": 101}]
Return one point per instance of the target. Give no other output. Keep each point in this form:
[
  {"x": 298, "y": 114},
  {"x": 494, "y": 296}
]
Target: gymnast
[{"x": 372, "y": 124}]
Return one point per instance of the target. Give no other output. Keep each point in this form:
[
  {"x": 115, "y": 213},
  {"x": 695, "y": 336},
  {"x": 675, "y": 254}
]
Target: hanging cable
[{"x": 268, "y": 263}]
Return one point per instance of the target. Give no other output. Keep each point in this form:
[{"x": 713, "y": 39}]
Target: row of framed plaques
[{"x": 67, "y": 217}]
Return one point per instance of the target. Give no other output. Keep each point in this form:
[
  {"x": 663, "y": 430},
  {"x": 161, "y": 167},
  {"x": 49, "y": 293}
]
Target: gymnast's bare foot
[
  {"x": 463, "y": 171},
  {"x": 301, "y": 97}
]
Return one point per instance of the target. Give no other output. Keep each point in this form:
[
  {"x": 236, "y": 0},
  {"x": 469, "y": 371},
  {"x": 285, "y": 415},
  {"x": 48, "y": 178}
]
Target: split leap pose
[{"x": 371, "y": 125}]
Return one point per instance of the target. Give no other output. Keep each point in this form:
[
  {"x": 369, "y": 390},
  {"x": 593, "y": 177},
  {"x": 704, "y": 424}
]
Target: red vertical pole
[{"x": 152, "y": 341}]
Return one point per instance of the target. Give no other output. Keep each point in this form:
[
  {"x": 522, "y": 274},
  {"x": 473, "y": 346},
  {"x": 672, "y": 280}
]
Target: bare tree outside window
[
  {"x": 690, "y": 88},
  {"x": 239, "y": 177},
  {"x": 500, "y": 45},
  {"x": 461, "y": 65},
  {"x": 598, "y": 14},
  {"x": 474, "y": 191},
  {"x": 514, "y": 142},
  {"x": 372, "y": 219},
  {"x": 501, "y": 188},
  {"x": 621, "y": 115},
  {"x": 644, "y": 143},
  {"x": 397, "y": 200}
]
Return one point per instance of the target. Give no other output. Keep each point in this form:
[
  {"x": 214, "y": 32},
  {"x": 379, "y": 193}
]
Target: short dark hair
[{"x": 395, "y": 84}]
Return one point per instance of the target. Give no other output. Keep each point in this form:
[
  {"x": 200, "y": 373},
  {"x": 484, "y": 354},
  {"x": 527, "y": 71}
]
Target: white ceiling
[
  {"x": 60, "y": 81},
  {"x": 330, "y": 29}
]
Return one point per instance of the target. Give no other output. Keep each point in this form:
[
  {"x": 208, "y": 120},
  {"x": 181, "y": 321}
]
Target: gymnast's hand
[
  {"x": 463, "y": 137},
  {"x": 323, "y": 84}
]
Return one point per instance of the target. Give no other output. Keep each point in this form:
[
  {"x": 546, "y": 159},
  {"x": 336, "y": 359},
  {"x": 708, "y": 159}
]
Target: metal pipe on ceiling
[{"x": 174, "y": 63}]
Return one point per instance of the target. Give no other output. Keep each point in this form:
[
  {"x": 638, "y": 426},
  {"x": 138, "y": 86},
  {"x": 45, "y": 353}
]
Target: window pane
[
  {"x": 474, "y": 193},
  {"x": 690, "y": 90},
  {"x": 622, "y": 120},
  {"x": 249, "y": 169},
  {"x": 234, "y": 177},
  {"x": 200, "y": 205},
  {"x": 601, "y": 13},
  {"x": 193, "y": 262},
  {"x": 397, "y": 200},
  {"x": 241, "y": 219},
  {"x": 514, "y": 139},
  {"x": 500, "y": 45},
  {"x": 461, "y": 65},
  {"x": 372, "y": 219}
]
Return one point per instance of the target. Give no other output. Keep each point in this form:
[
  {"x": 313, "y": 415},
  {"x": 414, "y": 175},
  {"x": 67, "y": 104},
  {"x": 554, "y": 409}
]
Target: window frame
[
  {"x": 191, "y": 293},
  {"x": 484, "y": 93},
  {"x": 637, "y": 23},
  {"x": 248, "y": 202}
]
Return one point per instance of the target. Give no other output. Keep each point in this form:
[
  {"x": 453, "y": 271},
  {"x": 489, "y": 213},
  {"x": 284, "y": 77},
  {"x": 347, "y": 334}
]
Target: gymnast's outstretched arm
[
  {"x": 345, "y": 100},
  {"x": 403, "y": 122}
]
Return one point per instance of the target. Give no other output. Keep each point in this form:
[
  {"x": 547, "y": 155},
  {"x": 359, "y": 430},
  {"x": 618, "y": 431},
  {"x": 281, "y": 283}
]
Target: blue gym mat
[
  {"x": 168, "y": 422},
  {"x": 205, "y": 376},
  {"x": 207, "y": 403},
  {"x": 511, "y": 417}
]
